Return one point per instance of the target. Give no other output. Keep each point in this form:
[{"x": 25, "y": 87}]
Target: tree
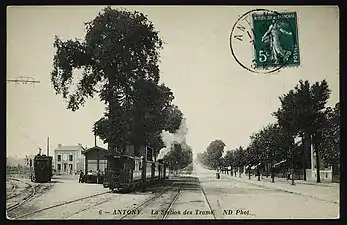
[
  {"x": 301, "y": 113},
  {"x": 214, "y": 152},
  {"x": 239, "y": 158},
  {"x": 212, "y": 156},
  {"x": 179, "y": 157},
  {"x": 268, "y": 146},
  {"x": 329, "y": 142},
  {"x": 118, "y": 59},
  {"x": 229, "y": 160}
]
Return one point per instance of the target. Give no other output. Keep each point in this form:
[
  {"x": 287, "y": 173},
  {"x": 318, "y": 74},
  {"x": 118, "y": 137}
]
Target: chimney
[
  {"x": 47, "y": 146},
  {"x": 59, "y": 145}
]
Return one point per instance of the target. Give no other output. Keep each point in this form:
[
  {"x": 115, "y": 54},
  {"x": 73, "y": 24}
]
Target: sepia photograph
[{"x": 119, "y": 112}]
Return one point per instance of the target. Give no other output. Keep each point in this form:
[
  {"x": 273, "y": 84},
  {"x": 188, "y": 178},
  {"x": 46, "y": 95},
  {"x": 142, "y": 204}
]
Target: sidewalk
[{"x": 327, "y": 192}]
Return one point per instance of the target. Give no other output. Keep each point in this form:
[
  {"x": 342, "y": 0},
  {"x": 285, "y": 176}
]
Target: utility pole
[
  {"x": 95, "y": 135},
  {"x": 24, "y": 80},
  {"x": 47, "y": 146},
  {"x": 297, "y": 143},
  {"x": 151, "y": 153}
]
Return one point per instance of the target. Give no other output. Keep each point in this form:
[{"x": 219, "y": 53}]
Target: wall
[
  {"x": 79, "y": 161},
  {"x": 66, "y": 160},
  {"x": 325, "y": 175}
]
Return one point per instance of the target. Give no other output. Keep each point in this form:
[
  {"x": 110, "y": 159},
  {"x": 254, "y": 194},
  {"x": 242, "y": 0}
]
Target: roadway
[
  {"x": 199, "y": 195},
  {"x": 247, "y": 200}
]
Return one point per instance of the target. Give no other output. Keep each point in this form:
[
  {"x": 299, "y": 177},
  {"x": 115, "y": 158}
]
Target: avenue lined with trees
[{"x": 273, "y": 149}]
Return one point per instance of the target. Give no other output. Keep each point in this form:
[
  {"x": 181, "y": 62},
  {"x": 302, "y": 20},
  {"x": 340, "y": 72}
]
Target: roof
[
  {"x": 93, "y": 149},
  {"x": 43, "y": 157},
  {"x": 68, "y": 148}
]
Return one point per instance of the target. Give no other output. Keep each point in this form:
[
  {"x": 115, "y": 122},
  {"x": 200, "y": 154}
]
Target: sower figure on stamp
[{"x": 272, "y": 35}]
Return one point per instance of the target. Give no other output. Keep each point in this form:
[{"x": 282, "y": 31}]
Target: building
[
  {"x": 68, "y": 159},
  {"x": 95, "y": 159}
]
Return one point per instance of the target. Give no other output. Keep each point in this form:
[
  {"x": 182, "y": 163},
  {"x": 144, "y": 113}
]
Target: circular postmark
[{"x": 265, "y": 41}]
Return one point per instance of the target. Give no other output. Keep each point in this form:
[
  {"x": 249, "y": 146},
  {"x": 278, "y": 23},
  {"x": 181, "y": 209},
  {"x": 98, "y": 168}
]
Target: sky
[{"x": 219, "y": 98}]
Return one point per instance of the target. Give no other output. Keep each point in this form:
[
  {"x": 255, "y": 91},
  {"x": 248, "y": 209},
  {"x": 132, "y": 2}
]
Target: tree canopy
[
  {"x": 119, "y": 62},
  {"x": 212, "y": 156},
  {"x": 302, "y": 112},
  {"x": 179, "y": 157},
  {"x": 329, "y": 142}
]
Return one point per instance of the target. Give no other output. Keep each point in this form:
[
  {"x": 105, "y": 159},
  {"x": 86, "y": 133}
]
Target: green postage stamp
[
  {"x": 264, "y": 41},
  {"x": 275, "y": 40}
]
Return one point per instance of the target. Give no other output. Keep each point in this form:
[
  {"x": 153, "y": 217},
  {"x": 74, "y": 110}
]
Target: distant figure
[
  {"x": 218, "y": 174},
  {"x": 81, "y": 177},
  {"x": 98, "y": 177},
  {"x": 288, "y": 175}
]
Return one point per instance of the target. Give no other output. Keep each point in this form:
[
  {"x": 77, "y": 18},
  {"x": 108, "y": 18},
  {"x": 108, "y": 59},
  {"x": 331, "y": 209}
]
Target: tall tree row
[{"x": 303, "y": 113}]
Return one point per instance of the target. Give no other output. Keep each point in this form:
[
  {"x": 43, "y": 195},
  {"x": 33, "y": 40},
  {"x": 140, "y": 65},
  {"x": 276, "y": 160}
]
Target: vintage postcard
[{"x": 172, "y": 112}]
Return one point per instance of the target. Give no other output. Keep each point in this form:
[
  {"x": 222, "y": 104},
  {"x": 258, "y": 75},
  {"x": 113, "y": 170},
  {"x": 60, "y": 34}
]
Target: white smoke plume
[{"x": 169, "y": 139}]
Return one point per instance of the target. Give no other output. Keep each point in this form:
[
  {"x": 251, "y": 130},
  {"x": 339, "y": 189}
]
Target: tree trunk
[
  {"x": 240, "y": 172},
  {"x": 272, "y": 173},
  {"x": 258, "y": 173},
  {"x": 306, "y": 148},
  {"x": 335, "y": 173},
  {"x": 318, "y": 166},
  {"x": 267, "y": 170},
  {"x": 293, "y": 166},
  {"x": 317, "y": 157}
]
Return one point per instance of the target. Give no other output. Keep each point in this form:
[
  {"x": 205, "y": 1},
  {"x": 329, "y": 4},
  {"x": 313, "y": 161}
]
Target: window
[
  {"x": 70, "y": 157},
  {"x": 59, "y": 158},
  {"x": 59, "y": 167}
]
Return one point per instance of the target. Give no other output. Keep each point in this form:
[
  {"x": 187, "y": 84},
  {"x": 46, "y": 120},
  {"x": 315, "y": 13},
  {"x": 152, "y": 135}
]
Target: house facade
[{"x": 68, "y": 159}]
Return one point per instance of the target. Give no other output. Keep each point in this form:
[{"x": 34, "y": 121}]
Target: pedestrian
[
  {"x": 81, "y": 177},
  {"x": 218, "y": 174},
  {"x": 98, "y": 177},
  {"x": 258, "y": 174},
  {"x": 288, "y": 175}
]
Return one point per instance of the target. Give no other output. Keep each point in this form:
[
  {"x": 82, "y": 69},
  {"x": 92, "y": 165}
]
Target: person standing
[
  {"x": 98, "y": 177},
  {"x": 81, "y": 177}
]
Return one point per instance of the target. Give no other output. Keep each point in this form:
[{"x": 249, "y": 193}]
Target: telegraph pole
[
  {"x": 47, "y": 146},
  {"x": 24, "y": 80}
]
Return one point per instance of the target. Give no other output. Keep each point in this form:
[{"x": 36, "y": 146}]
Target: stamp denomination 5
[{"x": 264, "y": 41}]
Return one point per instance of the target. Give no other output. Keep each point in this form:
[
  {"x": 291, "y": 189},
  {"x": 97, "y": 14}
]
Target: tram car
[
  {"x": 41, "y": 169},
  {"x": 126, "y": 173}
]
